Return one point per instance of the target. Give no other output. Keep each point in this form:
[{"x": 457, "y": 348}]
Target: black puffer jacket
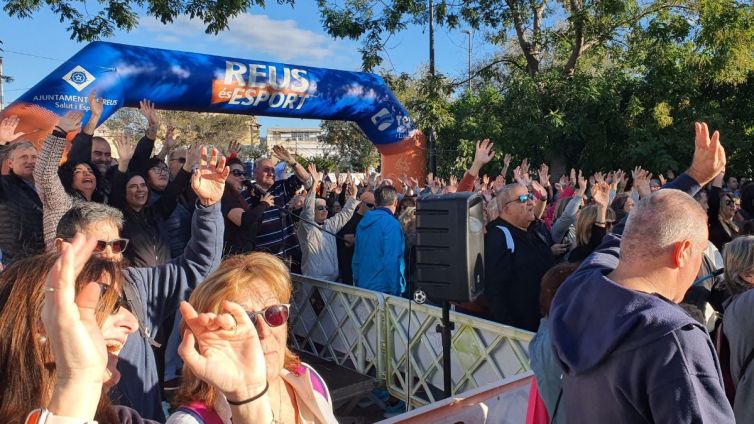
[{"x": 21, "y": 232}]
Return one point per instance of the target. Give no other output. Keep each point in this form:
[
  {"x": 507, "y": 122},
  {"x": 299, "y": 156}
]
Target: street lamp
[{"x": 470, "y": 34}]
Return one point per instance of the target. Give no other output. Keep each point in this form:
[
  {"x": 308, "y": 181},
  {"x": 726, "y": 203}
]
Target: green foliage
[
  {"x": 89, "y": 24},
  {"x": 355, "y": 151}
]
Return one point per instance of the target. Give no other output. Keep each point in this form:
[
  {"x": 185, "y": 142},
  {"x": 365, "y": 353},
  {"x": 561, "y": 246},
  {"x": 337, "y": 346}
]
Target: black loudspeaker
[{"x": 450, "y": 246}]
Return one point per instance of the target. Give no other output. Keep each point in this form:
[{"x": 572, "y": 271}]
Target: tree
[
  {"x": 355, "y": 150},
  {"x": 93, "y": 24}
]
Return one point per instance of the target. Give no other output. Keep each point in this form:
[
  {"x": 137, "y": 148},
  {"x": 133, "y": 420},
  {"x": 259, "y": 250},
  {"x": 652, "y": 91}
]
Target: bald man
[
  {"x": 629, "y": 353},
  {"x": 516, "y": 256}
]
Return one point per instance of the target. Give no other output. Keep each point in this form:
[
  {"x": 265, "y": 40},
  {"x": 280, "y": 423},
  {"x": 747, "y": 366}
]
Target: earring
[{"x": 42, "y": 339}]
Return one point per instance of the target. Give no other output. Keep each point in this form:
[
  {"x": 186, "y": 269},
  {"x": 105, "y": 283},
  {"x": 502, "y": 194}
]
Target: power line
[{"x": 33, "y": 55}]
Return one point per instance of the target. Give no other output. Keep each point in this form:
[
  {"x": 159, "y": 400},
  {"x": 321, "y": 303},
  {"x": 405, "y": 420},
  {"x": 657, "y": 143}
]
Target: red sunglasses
[{"x": 274, "y": 316}]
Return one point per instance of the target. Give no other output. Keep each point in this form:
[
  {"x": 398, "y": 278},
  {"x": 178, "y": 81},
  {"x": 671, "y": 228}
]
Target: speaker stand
[{"x": 445, "y": 328}]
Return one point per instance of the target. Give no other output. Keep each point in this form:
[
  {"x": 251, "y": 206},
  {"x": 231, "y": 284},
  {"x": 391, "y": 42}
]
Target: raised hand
[
  {"x": 499, "y": 183},
  {"x": 485, "y": 181},
  {"x": 71, "y": 121},
  {"x": 224, "y": 350},
  {"x": 282, "y": 153},
  {"x": 234, "y": 148},
  {"x": 641, "y": 182},
  {"x": 582, "y": 184},
  {"x": 193, "y": 156},
  {"x": 453, "y": 181},
  {"x": 208, "y": 180},
  {"x": 351, "y": 189},
  {"x": 170, "y": 140},
  {"x": 484, "y": 153},
  {"x": 709, "y": 155},
  {"x": 507, "y": 160},
  {"x": 601, "y": 193},
  {"x": 8, "y": 129},
  {"x": 663, "y": 181},
  {"x": 544, "y": 175},
  {"x": 599, "y": 177},
  {"x": 125, "y": 148},
  {"x": 73, "y": 333},
  {"x": 312, "y": 168},
  {"x": 573, "y": 177},
  {"x": 538, "y": 187},
  {"x": 147, "y": 110},
  {"x": 96, "y": 105}
]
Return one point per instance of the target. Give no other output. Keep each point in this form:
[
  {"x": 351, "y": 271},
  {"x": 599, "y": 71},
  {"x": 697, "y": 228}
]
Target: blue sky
[{"x": 34, "y": 47}]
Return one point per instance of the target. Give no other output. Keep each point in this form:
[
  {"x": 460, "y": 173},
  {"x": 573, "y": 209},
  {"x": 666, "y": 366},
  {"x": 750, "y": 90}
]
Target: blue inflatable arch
[{"x": 174, "y": 80}]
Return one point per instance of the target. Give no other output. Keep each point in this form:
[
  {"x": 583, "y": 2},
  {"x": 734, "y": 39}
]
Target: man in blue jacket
[
  {"x": 155, "y": 292},
  {"x": 378, "y": 258},
  {"x": 629, "y": 353}
]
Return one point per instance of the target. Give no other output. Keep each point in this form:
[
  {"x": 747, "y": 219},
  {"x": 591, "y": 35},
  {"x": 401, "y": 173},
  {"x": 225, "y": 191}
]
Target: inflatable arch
[{"x": 175, "y": 80}]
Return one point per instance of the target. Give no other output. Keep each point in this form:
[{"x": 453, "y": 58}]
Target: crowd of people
[{"x": 165, "y": 276}]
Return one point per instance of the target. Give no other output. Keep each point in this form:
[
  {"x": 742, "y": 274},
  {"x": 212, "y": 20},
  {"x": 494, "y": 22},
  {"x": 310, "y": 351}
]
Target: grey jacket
[{"x": 739, "y": 329}]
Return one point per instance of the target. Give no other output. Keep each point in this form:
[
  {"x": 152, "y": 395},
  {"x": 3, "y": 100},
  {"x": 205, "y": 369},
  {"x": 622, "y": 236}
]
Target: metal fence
[{"x": 389, "y": 338}]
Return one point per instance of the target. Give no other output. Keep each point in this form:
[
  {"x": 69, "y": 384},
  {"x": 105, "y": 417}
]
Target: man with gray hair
[
  {"x": 516, "y": 256},
  {"x": 21, "y": 232},
  {"x": 629, "y": 353}
]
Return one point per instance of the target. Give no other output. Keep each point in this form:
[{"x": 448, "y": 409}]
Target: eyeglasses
[
  {"x": 321, "y": 208},
  {"x": 274, "y": 316},
  {"x": 522, "y": 198},
  {"x": 122, "y": 302},
  {"x": 117, "y": 245},
  {"x": 237, "y": 173},
  {"x": 369, "y": 205},
  {"x": 160, "y": 169},
  {"x": 269, "y": 170},
  {"x": 181, "y": 160}
]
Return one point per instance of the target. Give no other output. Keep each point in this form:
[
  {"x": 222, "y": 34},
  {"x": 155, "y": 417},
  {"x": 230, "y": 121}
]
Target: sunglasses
[
  {"x": 321, "y": 208},
  {"x": 117, "y": 245},
  {"x": 274, "y": 316},
  {"x": 730, "y": 202},
  {"x": 522, "y": 198},
  {"x": 237, "y": 173},
  {"x": 181, "y": 160},
  {"x": 370, "y": 205},
  {"x": 122, "y": 302}
]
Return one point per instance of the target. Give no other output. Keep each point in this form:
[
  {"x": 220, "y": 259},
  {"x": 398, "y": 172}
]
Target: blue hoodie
[
  {"x": 378, "y": 257},
  {"x": 631, "y": 357}
]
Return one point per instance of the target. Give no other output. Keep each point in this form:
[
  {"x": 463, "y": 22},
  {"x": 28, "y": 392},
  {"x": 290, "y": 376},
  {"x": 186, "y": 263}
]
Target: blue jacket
[
  {"x": 631, "y": 357},
  {"x": 160, "y": 290},
  {"x": 378, "y": 257},
  {"x": 546, "y": 370}
]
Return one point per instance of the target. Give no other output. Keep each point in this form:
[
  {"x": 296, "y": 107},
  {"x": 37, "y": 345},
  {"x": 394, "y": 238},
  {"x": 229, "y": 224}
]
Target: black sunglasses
[
  {"x": 122, "y": 302},
  {"x": 181, "y": 160},
  {"x": 274, "y": 316},
  {"x": 369, "y": 205},
  {"x": 237, "y": 173}
]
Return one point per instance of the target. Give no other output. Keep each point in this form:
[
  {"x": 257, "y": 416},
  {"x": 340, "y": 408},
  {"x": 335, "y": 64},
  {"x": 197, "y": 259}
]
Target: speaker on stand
[{"x": 449, "y": 257}]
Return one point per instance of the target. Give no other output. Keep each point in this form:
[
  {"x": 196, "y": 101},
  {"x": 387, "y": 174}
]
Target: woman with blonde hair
[
  {"x": 593, "y": 223},
  {"x": 261, "y": 284}
]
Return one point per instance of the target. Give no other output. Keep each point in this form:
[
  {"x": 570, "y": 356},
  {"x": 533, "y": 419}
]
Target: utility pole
[
  {"x": 2, "y": 80},
  {"x": 432, "y": 148},
  {"x": 469, "y": 33}
]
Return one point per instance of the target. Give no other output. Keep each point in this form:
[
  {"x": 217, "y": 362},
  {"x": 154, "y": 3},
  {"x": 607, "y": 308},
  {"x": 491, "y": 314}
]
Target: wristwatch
[{"x": 43, "y": 416}]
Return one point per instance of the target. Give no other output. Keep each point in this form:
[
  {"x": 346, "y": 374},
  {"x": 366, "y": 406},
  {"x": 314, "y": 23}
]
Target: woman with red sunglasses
[{"x": 248, "y": 295}]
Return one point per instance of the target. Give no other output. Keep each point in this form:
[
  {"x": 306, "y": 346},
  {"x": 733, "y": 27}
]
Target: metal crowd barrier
[{"x": 372, "y": 333}]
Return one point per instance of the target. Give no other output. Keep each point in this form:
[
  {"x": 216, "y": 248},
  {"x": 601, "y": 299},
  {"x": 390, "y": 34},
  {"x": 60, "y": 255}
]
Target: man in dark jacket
[
  {"x": 516, "y": 256},
  {"x": 21, "y": 231},
  {"x": 629, "y": 353},
  {"x": 154, "y": 293}
]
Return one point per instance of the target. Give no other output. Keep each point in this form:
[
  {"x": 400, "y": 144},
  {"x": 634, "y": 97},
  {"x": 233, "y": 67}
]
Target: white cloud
[{"x": 281, "y": 39}]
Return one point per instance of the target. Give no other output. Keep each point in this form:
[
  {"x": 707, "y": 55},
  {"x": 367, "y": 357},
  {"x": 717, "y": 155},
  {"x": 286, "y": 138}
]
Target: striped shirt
[{"x": 277, "y": 234}]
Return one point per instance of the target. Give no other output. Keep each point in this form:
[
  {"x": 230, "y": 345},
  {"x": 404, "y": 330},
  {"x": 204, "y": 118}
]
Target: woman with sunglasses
[
  {"x": 241, "y": 221},
  {"x": 722, "y": 209},
  {"x": 255, "y": 289},
  {"x": 28, "y": 348},
  {"x": 144, "y": 218}
]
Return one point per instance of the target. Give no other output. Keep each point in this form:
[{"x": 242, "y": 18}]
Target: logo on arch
[{"x": 79, "y": 78}]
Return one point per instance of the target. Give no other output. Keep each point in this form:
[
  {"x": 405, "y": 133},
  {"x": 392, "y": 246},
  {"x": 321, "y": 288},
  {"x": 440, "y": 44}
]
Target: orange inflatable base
[{"x": 405, "y": 158}]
